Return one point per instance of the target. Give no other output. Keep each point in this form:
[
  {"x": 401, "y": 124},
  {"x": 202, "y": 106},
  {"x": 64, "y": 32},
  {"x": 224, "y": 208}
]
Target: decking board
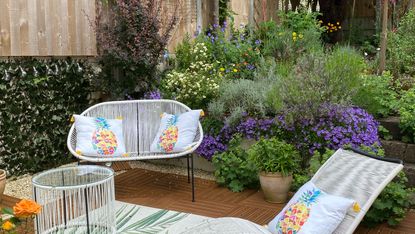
[{"x": 172, "y": 192}]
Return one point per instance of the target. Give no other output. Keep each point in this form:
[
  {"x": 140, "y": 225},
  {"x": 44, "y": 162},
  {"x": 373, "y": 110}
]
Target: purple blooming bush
[
  {"x": 337, "y": 127},
  {"x": 216, "y": 141}
]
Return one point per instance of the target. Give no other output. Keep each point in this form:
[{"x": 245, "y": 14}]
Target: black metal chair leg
[
  {"x": 188, "y": 169},
  {"x": 193, "y": 182}
]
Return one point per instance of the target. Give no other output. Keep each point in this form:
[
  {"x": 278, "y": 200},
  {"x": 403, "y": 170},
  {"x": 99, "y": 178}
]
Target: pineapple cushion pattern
[
  {"x": 311, "y": 211},
  {"x": 99, "y": 137},
  {"x": 176, "y": 132}
]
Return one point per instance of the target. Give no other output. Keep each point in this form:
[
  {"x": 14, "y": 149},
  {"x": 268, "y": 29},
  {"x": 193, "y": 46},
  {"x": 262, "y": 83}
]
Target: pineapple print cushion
[
  {"x": 176, "y": 132},
  {"x": 311, "y": 211},
  {"x": 100, "y": 137}
]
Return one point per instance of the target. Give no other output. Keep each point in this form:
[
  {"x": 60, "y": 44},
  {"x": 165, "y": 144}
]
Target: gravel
[{"x": 21, "y": 187}]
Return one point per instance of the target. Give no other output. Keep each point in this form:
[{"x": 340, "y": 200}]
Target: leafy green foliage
[
  {"x": 318, "y": 79},
  {"x": 401, "y": 50},
  {"x": 376, "y": 95},
  {"x": 37, "y": 99},
  {"x": 298, "y": 33},
  {"x": 392, "y": 204},
  {"x": 273, "y": 155},
  {"x": 233, "y": 169},
  {"x": 316, "y": 161},
  {"x": 407, "y": 113}
]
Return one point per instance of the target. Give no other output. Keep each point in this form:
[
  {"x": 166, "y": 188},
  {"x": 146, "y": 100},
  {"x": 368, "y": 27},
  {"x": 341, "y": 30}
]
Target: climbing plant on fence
[{"x": 37, "y": 98}]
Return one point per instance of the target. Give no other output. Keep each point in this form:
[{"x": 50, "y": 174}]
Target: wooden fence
[{"x": 47, "y": 28}]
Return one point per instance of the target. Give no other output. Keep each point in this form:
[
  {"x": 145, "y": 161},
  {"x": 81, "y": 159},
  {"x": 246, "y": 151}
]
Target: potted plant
[{"x": 275, "y": 161}]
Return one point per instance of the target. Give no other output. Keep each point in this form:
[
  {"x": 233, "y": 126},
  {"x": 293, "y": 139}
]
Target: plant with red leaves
[{"x": 131, "y": 37}]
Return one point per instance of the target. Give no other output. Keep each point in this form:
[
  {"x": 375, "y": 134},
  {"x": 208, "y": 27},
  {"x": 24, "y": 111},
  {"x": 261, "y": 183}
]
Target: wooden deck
[{"x": 172, "y": 192}]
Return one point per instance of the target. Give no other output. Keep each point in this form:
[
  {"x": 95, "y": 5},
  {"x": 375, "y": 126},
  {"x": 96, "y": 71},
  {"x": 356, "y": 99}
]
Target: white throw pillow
[
  {"x": 176, "y": 132},
  {"x": 311, "y": 211},
  {"x": 99, "y": 137}
]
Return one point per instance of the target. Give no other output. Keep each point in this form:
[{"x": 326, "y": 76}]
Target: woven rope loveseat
[{"x": 141, "y": 121}]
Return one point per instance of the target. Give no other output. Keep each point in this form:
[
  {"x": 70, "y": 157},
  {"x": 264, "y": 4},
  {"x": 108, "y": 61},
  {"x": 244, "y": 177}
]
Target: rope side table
[{"x": 77, "y": 199}]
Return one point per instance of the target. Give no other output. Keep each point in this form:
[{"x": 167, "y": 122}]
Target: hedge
[{"x": 37, "y": 99}]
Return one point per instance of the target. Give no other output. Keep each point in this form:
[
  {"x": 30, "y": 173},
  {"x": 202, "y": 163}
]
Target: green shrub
[
  {"x": 318, "y": 79},
  {"x": 298, "y": 33},
  {"x": 37, "y": 99},
  {"x": 233, "y": 169},
  {"x": 273, "y": 155},
  {"x": 196, "y": 85},
  {"x": 407, "y": 114},
  {"x": 238, "y": 98},
  {"x": 131, "y": 44},
  {"x": 392, "y": 204},
  {"x": 401, "y": 49},
  {"x": 376, "y": 95}
]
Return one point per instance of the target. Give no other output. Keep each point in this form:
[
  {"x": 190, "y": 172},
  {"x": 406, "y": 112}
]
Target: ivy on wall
[{"x": 37, "y": 98}]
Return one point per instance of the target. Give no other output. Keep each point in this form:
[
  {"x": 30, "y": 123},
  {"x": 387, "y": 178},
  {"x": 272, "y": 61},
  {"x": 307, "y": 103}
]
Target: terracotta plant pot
[
  {"x": 2, "y": 182},
  {"x": 275, "y": 186}
]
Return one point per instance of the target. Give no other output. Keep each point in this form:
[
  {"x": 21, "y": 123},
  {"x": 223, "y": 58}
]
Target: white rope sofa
[{"x": 141, "y": 121}]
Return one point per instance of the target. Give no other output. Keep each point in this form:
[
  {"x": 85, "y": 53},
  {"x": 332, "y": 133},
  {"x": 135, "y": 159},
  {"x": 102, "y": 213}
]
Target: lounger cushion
[
  {"x": 176, "y": 132},
  {"x": 99, "y": 137},
  {"x": 311, "y": 211}
]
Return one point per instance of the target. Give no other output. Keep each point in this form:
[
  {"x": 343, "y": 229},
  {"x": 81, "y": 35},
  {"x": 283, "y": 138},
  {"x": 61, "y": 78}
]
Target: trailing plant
[
  {"x": 335, "y": 127},
  {"x": 216, "y": 140},
  {"x": 273, "y": 155},
  {"x": 37, "y": 99},
  {"x": 132, "y": 35},
  {"x": 376, "y": 95},
  {"x": 407, "y": 114},
  {"x": 233, "y": 169}
]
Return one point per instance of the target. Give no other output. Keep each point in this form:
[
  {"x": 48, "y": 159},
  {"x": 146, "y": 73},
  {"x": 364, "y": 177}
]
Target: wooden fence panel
[{"x": 47, "y": 28}]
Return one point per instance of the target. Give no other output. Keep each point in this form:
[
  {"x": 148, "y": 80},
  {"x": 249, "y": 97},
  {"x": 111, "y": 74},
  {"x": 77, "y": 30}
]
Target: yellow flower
[
  {"x": 7, "y": 226},
  {"x": 294, "y": 38},
  {"x": 340, "y": 27},
  {"x": 320, "y": 21},
  {"x": 222, "y": 69},
  {"x": 331, "y": 30},
  {"x": 294, "y": 34},
  {"x": 300, "y": 36},
  {"x": 235, "y": 70},
  {"x": 338, "y": 23}
]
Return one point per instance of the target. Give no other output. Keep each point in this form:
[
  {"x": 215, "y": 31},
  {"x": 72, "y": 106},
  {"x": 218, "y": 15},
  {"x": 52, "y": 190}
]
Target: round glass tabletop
[{"x": 74, "y": 176}]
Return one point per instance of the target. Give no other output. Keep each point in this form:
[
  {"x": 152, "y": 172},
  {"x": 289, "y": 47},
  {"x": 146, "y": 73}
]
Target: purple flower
[
  {"x": 210, "y": 146},
  {"x": 153, "y": 95},
  {"x": 257, "y": 42}
]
